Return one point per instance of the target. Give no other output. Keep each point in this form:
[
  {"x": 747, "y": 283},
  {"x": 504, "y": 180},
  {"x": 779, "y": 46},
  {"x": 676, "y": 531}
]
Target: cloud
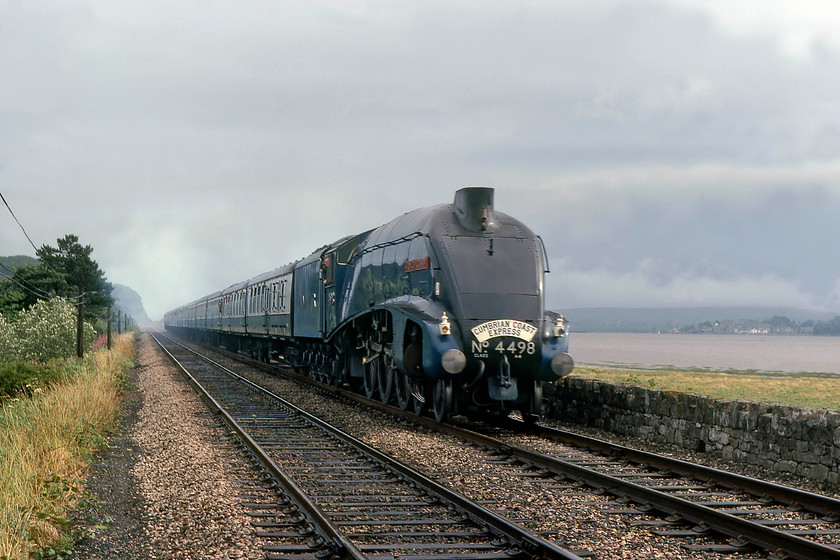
[
  {"x": 799, "y": 28},
  {"x": 638, "y": 288},
  {"x": 678, "y": 235},
  {"x": 194, "y": 144},
  {"x": 701, "y": 179}
]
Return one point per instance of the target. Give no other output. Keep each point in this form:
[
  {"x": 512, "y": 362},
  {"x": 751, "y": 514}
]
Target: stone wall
[{"x": 783, "y": 439}]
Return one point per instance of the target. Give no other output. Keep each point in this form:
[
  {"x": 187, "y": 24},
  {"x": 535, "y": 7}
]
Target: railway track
[
  {"x": 675, "y": 498},
  {"x": 787, "y": 522},
  {"x": 340, "y": 497},
  {"x": 686, "y": 499}
]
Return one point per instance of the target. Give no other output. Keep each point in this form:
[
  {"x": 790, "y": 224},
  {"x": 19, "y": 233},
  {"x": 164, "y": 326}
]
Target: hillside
[
  {"x": 129, "y": 301},
  {"x": 12, "y": 263},
  {"x": 612, "y": 319}
]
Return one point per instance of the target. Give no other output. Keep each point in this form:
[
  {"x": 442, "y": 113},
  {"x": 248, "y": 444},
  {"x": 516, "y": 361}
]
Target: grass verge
[
  {"x": 815, "y": 390},
  {"x": 47, "y": 441}
]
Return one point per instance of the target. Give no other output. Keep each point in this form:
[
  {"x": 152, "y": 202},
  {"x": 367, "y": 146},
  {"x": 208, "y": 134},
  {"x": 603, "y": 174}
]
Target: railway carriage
[{"x": 443, "y": 306}]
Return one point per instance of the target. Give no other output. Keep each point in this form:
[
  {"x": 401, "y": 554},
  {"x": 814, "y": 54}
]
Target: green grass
[
  {"x": 815, "y": 390},
  {"x": 47, "y": 439}
]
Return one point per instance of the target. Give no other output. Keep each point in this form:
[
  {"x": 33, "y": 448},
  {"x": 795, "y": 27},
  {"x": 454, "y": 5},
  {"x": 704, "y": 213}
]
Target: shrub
[
  {"x": 46, "y": 331},
  {"x": 8, "y": 340},
  {"x": 25, "y": 378}
]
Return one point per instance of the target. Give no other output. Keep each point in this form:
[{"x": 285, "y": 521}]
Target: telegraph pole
[
  {"x": 109, "y": 327},
  {"x": 80, "y": 350}
]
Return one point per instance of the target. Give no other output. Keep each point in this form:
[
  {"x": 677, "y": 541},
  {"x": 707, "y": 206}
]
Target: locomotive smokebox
[{"x": 474, "y": 208}]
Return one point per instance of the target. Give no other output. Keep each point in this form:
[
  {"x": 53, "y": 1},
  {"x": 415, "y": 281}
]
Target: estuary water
[{"x": 788, "y": 354}]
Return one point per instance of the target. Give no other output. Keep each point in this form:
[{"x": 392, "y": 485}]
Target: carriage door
[
  {"x": 266, "y": 303},
  {"x": 328, "y": 310}
]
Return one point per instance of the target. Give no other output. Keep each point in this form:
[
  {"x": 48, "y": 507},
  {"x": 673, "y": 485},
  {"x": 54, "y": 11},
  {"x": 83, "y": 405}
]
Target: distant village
[{"x": 777, "y": 325}]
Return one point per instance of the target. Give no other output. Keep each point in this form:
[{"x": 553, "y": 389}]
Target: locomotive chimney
[{"x": 474, "y": 208}]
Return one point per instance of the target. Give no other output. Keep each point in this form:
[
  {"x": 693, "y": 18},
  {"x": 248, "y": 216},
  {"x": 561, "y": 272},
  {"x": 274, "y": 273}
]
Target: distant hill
[
  {"x": 18, "y": 261},
  {"x": 129, "y": 301},
  {"x": 616, "y": 319}
]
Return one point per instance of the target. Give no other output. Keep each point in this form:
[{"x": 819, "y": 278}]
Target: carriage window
[{"x": 282, "y": 294}]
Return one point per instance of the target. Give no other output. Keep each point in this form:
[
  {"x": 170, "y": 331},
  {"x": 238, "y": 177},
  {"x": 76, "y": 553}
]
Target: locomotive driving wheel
[
  {"x": 442, "y": 400},
  {"x": 535, "y": 404},
  {"x": 371, "y": 378},
  {"x": 402, "y": 389},
  {"x": 419, "y": 397},
  {"x": 385, "y": 378},
  {"x": 339, "y": 373}
]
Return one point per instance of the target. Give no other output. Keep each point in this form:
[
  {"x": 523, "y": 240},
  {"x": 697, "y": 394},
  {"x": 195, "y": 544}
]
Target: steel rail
[
  {"x": 823, "y": 505},
  {"x": 784, "y": 545},
  {"x": 766, "y": 538},
  {"x": 335, "y": 540},
  {"x": 530, "y": 542}
]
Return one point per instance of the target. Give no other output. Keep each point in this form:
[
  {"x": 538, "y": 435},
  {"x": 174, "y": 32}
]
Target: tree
[
  {"x": 80, "y": 275},
  {"x": 12, "y": 298},
  {"x": 28, "y": 285},
  {"x": 779, "y": 323},
  {"x": 832, "y": 328}
]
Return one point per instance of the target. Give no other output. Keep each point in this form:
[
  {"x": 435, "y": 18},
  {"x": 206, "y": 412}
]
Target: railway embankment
[{"x": 779, "y": 438}]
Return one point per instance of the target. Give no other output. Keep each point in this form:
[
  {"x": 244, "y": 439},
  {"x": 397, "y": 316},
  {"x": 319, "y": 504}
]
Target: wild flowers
[{"x": 45, "y": 331}]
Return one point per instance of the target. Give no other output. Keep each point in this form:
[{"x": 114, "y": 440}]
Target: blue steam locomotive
[{"x": 440, "y": 307}]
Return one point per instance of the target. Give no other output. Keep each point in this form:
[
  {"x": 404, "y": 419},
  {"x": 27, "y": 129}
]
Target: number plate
[{"x": 512, "y": 347}]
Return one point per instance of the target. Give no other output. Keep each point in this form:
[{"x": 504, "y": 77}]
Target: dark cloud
[{"x": 682, "y": 236}]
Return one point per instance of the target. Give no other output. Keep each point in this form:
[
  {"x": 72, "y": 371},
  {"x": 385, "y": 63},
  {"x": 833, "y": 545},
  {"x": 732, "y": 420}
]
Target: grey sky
[{"x": 671, "y": 153}]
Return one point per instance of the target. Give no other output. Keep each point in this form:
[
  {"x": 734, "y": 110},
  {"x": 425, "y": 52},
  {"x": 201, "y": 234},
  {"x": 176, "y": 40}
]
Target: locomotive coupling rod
[{"x": 372, "y": 357}]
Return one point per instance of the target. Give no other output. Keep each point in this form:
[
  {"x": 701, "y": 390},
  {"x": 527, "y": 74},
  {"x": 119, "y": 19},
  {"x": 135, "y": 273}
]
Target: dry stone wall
[{"x": 783, "y": 439}]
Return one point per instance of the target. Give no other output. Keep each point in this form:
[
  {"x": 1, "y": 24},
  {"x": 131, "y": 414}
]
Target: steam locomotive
[{"x": 442, "y": 307}]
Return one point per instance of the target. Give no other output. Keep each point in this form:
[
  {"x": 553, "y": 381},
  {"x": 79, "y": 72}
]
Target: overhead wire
[
  {"x": 34, "y": 291},
  {"x": 43, "y": 295},
  {"x": 72, "y": 300},
  {"x": 75, "y": 301},
  {"x": 18, "y": 222}
]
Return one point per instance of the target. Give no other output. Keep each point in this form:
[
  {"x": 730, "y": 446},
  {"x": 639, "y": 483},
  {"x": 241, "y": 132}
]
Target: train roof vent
[{"x": 474, "y": 208}]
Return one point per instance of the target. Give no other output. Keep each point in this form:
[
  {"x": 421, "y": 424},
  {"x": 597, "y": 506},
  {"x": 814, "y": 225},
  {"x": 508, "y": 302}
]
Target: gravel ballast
[
  {"x": 575, "y": 519},
  {"x": 165, "y": 481},
  {"x": 162, "y": 488}
]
